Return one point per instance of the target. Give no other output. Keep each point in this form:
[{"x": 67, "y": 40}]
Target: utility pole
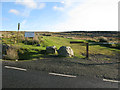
[{"x": 18, "y": 32}]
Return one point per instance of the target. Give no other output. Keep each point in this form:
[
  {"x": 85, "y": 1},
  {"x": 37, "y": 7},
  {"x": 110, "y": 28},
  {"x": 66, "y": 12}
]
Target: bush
[
  {"x": 24, "y": 54},
  {"x": 4, "y": 49},
  {"x": 35, "y": 41},
  {"x": 103, "y": 39},
  {"x": 118, "y": 45},
  {"x": 12, "y": 54},
  {"x": 31, "y": 42}
]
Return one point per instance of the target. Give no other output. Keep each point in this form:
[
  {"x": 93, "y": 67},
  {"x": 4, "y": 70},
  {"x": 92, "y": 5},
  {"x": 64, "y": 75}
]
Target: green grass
[
  {"x": 33, "y": 51},
  {"x": 56, "y": 41}
]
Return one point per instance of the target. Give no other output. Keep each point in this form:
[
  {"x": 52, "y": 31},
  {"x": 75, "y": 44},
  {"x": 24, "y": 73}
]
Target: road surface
[{"x": 13, "y": 78}]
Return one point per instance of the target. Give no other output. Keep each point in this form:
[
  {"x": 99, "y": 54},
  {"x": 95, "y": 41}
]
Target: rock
[
  {"x": 65, "y": 51},
  {"x": 51, "y": 49}
]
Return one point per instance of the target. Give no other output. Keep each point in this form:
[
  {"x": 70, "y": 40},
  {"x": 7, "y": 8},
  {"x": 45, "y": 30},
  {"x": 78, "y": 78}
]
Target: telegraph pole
[{"x": 18, "y": 32}]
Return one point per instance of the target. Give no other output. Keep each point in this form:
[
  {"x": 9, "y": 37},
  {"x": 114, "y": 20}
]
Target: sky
[{"x": 60, "y": 15}]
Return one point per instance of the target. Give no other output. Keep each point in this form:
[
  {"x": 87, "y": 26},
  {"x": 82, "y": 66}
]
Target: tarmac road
[
  {"x": 0, "y": 50},
  {"x": 0, "y": 64},
  {"x": 12, "y": 78}
]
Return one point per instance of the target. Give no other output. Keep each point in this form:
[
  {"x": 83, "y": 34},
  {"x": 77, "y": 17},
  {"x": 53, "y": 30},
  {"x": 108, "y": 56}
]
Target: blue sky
[{"x": 85, "y": 15}]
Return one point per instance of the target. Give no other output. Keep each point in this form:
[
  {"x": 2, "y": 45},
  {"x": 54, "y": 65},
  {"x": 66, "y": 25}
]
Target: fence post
[
  {"x": 87, "y": 50},
  {"x": 18, "y": 32},
  {"x": 87, "y": 47}
]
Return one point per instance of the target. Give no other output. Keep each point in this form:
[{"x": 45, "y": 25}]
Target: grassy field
[
  {"x": 79, "y": 49},
  {"x": 103, "y": 59}
]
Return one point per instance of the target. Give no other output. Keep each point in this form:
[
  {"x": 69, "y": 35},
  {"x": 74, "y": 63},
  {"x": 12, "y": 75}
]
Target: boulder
[
  {"x": 51, "y": 49},
  {"x": 65, "y": 51}
]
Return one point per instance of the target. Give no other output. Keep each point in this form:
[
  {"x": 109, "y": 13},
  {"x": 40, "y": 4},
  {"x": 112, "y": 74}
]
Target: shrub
[
  {"x": 36, "y": 41},
  {"x": 24, "y": 54},
  {"x": 118, "y": 45},
  {"x": 4, "y": 48},
  {"x": 103, "y": 39},
  {"x": 21, "y": 40},
  {"x": 31, "y": 42},
  {"x": 12, "y": 54}
]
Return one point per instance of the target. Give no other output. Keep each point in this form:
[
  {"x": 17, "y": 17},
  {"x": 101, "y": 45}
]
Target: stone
[
  {"x": 65, "y": 51},
  {"x": 51, "y": 49}
]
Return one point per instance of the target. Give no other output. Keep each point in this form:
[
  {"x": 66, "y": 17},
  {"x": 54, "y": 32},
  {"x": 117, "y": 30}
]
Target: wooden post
[
  {"x": 87, "y": 49},
  {"x": 18, "y": 31},
  {"x": 33, "y": 38}
]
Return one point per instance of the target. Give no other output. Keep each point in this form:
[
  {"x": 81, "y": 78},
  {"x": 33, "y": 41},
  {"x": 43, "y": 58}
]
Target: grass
[
  {"x": 97, "y": 49},
  {"x": 33, "y": 51},
  {"x": 48, "y": 41},
  {"x": 56, "y": 41}
]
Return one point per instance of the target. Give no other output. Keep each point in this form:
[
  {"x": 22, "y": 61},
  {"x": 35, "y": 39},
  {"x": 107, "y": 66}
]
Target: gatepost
[{"x": 87, "y": 47}]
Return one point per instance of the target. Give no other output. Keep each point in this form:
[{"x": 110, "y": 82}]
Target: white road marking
[
  {"x": 15, "y": 68},
  {"x": 62, "y": 75},
  {"x": 111, "y": 80}
]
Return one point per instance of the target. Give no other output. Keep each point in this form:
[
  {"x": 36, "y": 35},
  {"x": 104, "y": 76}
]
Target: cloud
[
  {"x": 66, "y": 4},
  {"x": 23, "y": 24},
  {"x": 58, "y": 8},
  {"x": 14, "y": 11},
  {"x": 41, "y": 5},
  {"x": 31, "y": 4},
  {"x": 62, "y": 2},
  {"x": 27, "y": 3},
  {"x": 92, "y": 15}
]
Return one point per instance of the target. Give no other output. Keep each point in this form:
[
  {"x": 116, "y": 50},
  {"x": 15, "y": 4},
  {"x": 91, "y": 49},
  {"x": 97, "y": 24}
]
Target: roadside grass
[
  {"x": 33, "y": 51},
  {"x": 29, "y": 52}
]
